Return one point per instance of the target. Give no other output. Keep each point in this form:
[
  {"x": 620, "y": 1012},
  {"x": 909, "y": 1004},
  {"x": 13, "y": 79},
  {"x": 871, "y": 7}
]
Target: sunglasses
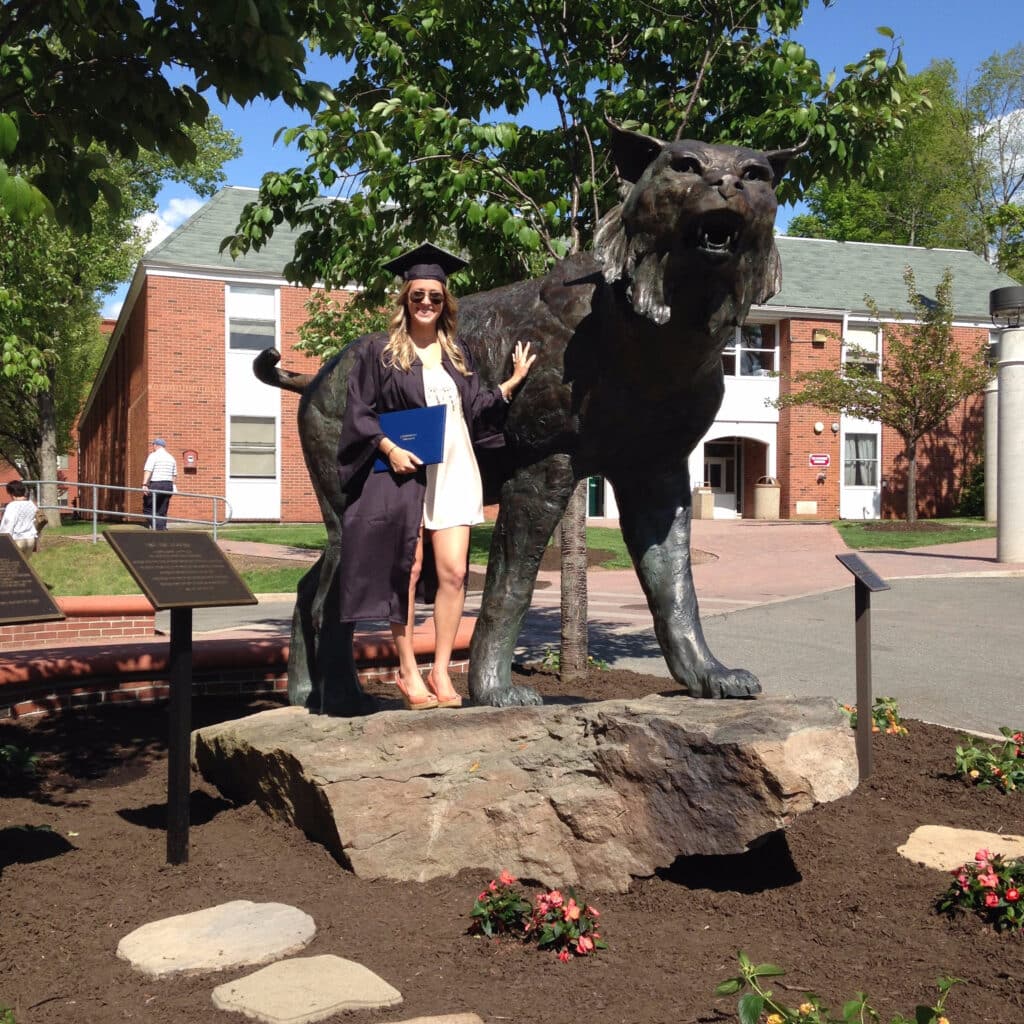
[{"x": 434, "y": 298}]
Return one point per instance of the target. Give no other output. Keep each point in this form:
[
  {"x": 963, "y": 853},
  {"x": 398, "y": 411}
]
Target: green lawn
[
  {"x": 75, "y": 567},
  {"x": 874, "y": 534}
]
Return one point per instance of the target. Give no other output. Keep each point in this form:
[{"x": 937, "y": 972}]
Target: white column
[
  {"x": 1010, "y": 500},
  {"x": 991, "y": 449}
]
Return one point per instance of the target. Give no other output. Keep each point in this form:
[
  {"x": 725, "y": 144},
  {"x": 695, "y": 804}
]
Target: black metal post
[
  {"x": 179, "y": 753},
  {"x": 862, "y": 632}
]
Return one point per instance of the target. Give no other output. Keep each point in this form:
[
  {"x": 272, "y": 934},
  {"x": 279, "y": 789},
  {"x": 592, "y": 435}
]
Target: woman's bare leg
[
  {"x": 402, "y": 632},
  {"x": 451, "y": 550}
]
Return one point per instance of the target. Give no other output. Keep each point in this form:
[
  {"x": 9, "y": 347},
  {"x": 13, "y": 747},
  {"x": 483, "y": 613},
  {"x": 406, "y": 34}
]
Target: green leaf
[
  {"x": 8, "y": 134},
  {"x": 729, "y": 987},
  {"x": 750, "y": 1007},
  {"x": 768, "y": 971}
]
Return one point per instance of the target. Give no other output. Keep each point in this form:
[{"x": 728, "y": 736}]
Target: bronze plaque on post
[
  {"x": 23, "y": 595},
  {"x": 179, "y": 570}
]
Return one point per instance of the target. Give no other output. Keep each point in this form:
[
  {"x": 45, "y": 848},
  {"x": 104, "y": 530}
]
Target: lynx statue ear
[
  {"x": 779, "y": 159},
  {"x": 632, "y": 152}
]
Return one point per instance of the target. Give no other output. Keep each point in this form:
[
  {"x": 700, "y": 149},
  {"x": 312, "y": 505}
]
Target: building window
[
  {"x": 252, "y": 319},
  {"x": 860, "y": 353},
  {"x": 751, "y": 353},
  {"x": 860, "y": 462},
  {"x": 253, "y": 447}
]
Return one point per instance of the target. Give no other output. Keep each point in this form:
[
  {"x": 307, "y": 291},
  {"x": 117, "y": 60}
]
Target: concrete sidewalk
[{"x": 946, "y": 638}]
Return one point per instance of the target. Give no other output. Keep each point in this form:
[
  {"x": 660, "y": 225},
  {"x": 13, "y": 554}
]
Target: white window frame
[{"x": 736, "y": 350}]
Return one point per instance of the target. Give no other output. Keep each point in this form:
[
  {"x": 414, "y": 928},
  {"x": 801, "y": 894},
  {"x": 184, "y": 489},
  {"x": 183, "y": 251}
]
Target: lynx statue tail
[{"x": 266, "y": 369}]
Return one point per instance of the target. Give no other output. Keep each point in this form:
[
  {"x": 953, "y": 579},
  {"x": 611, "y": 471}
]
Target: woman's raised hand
[{"x": 522, "y": 360}]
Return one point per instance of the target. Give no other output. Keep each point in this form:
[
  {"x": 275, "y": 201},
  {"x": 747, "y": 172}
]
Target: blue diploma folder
[{"x": 420, "y": 431}]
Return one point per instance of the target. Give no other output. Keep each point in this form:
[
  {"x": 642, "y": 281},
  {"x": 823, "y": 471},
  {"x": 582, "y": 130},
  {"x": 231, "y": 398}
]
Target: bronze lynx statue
[{"x": 628, "y": 379}]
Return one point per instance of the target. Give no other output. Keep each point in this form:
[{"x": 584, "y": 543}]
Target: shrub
[
  {"x": 760, "y": 1000},
  {"x": 16, "y": 764},
  {"x": 885, "y": 716},
  {"x": 990, "y": 887},
  {"x": 557, "y": 921},
  {"x": 993, "y": 764}
]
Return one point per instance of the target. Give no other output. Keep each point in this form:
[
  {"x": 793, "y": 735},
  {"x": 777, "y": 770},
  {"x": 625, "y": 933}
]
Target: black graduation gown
[{"x": 383, "y": 511}]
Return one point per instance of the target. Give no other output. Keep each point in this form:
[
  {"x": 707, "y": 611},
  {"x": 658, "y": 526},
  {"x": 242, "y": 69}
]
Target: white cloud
[
  {"x": 157, "y": 226},
  {"x": 112, "y": 307}
]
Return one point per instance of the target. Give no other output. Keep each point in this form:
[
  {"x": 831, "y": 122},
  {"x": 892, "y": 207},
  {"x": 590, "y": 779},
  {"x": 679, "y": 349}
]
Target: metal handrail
[{"x": 215, "y": 521}]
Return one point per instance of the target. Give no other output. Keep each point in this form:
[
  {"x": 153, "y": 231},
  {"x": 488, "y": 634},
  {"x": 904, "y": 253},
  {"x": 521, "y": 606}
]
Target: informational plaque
[
  {"x": 23, "y": 595},
  {"x": 179, "y": 570}
]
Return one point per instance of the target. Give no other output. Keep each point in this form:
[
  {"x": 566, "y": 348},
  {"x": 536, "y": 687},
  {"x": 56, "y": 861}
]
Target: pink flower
[
  {"x": 991, "y": 899},
  {"x": 982, "y": 856},
  {"x": 507, "y": 878},
  {"x": 962, "y": 880},
  {"x": 554, "y": 898},
  {"x": 592, "y": 912},
  {"x": 564, "y": 956},
  {"x": 1012, "y": 895},
  {"x": 483, "y": 895},
  {"x": 570, "y": 911},
  {"x": 989, "y": 880},
  {"x": 584, "y": 945},
  {"x": 493, "y": 886}
]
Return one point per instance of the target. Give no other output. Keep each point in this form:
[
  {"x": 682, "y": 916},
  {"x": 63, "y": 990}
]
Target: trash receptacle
[
  {"x": 703, "y": 503},
  {"x": 766, "y": 498}
]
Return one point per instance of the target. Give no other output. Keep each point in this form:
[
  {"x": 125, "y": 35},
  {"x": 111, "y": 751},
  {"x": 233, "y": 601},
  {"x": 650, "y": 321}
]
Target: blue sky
[{"x": 929, "y": 29}]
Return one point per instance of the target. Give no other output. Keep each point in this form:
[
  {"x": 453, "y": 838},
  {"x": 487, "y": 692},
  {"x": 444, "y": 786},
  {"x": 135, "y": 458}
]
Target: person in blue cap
[
  {"x": 158, "y": 476},
  {"x": 384, "y": 563}
]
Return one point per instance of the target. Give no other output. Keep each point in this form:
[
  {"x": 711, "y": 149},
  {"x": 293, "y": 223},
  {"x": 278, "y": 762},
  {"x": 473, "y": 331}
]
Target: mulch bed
[{"x": 831, "y": 901}]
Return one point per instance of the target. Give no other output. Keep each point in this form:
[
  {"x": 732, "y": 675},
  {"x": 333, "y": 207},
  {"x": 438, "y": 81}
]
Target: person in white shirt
[
  {"x": 158, "y": 484},
  {"x": 19, "y": 518}
]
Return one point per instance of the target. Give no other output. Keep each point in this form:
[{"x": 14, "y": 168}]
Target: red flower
[
  {"x": 554, "y": 898},
  {"x": 1012, "y": 895},
  {"x": 584, "y": 945},
  {"x": 507, "y": 878},
  {"x": 991, "y": 899},
  {"x": 565, "y": 956}
]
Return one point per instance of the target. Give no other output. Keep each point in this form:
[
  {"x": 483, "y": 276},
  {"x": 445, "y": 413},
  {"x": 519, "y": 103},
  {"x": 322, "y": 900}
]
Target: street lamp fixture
[{"x": 1006, "y": 306}]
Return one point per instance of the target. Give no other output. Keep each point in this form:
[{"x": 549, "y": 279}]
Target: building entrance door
[{"x": 720, "y": 476}]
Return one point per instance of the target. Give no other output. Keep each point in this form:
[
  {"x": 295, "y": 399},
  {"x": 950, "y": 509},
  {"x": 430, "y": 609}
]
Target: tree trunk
[
  {"x": 573, "y": 529},
  {"x": 48, "y": 447},
  {"x": 911, "y": 481}
]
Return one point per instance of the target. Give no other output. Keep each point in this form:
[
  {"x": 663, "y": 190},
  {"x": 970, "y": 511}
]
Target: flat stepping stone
[
  {"x": 445, "y": 1018},
  {"x": 306, "y": 989},
  {"x": 231, "y": 935},
  {"x": 937, "y": 846}
]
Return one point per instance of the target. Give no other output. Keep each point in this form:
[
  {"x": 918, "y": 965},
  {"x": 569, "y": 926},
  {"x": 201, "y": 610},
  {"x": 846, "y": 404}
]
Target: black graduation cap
[{"x": 427, "y": 262}]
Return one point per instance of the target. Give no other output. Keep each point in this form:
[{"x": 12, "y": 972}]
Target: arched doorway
[{"x": 731, "y": 467}]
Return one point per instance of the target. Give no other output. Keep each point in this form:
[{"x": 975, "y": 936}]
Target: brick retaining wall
[{"x": 88, "y": 618}]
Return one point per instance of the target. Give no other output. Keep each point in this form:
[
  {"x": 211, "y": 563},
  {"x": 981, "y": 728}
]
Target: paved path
[{"x": 947, "y": 639}]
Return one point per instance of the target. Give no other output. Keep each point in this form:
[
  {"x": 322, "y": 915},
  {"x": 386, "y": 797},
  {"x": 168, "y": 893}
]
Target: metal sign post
[
  {"x": 179, "y": 571},
  {"x": 866, "y": 581}
]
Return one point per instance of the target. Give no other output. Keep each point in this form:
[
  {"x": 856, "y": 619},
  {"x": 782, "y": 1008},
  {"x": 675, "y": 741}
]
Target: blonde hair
[{"x": 400, "y": 351}]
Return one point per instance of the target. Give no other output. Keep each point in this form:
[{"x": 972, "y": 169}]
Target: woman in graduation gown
[{"x": 384, "y": 562}]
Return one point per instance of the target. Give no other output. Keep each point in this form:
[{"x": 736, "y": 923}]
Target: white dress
[{"x": 454, "y": 492}]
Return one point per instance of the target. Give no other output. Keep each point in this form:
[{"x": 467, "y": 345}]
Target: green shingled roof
[
  {"x": 816, "y": 274},
  {"x": 820, "y": 274},
  {"x": 196, "y": 242}
]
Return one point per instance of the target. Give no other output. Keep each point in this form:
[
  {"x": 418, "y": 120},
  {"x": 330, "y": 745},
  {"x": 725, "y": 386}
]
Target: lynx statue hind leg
[
  {"x": 532, "y": 504},
  {"x": 654, "y": 513}
]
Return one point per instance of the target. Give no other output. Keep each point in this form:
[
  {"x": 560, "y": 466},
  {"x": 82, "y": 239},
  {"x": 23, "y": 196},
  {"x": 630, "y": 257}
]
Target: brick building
[{"x": 179, "y": 366}]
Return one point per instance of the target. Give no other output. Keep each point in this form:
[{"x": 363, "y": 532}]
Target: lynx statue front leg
[
  {"x": 654, "y": 513},
  {"x": 532, "y": 504}
]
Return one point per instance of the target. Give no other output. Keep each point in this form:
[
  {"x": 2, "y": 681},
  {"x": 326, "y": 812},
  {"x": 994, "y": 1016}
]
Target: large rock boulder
[{"x": 593, "y": 793}]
